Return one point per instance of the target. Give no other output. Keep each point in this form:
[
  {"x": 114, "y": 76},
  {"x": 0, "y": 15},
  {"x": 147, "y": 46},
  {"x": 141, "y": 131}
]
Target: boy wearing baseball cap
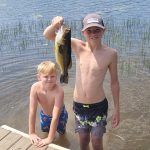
[{"x": 93, "y": 59}]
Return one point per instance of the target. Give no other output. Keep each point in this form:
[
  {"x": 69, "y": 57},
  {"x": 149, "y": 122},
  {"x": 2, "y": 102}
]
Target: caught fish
[{"x": 63, "y": 51}]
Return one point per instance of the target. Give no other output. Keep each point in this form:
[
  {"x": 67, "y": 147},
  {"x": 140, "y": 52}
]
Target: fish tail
[{"x": 64, "y": 78}]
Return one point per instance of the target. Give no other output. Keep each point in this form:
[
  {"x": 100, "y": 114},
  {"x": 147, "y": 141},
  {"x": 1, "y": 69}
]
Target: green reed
[{"x": 130, "y": 37}]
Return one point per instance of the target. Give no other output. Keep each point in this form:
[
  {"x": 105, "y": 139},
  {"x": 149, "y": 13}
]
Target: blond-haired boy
[{"x": 50, "y": 96}]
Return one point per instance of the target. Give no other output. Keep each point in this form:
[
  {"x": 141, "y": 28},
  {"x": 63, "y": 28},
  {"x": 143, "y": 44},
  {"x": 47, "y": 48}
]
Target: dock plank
[
  {"x": 3, "y": 133},
  {"x": 22, "y": 144},
  {"x": 56, "y": 147},
  {"x": 12, "y": 139},
  {"x": 51, "y": 148},
  {"x": 9, "y": 140},
  {"x": 37, "y": 148}
]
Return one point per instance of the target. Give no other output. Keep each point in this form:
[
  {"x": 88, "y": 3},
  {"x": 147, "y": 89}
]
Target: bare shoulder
[
  {"x": 76, "y": 41},
  {"x": 35, "y": 85},
  {"x": 110, "y": 50},
  {"x": 77, "y": 44},
  {"x": 34, "y": 91},
  {"x": 59, "y": 90},
  {"x": 35, "y": 88},
  {"x": 114, "y": 54}
]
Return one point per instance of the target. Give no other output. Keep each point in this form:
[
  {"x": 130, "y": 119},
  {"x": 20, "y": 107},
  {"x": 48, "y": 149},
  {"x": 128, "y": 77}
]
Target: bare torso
[
  {"x": 46, "y": 99},
  {"x": 91, "y": 67}
]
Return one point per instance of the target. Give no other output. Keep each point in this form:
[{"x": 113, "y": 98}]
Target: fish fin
[
  {"x": 64, "y": 78},
  {"x": 60, "y": 49}
]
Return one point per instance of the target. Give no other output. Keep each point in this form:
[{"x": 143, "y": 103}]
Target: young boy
[
  {"x": 93, "y": 59},
  {"x": 50, "y": 96}
]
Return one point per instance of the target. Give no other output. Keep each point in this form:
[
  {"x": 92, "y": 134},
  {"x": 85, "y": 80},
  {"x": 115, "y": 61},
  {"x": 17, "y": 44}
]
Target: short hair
[{"x": 46, "y": 67}]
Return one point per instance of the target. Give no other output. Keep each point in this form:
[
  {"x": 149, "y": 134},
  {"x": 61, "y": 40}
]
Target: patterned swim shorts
[
  {"x": 46, "y": 121},
  {"x": 91, "y": 117}
]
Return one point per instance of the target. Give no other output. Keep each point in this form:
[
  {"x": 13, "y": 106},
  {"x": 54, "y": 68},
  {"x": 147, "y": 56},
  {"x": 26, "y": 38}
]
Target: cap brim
[{"x": 93, "y": 25}]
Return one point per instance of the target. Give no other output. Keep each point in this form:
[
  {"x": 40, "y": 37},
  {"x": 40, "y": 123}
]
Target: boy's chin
[{"x": 50, "y": 85}]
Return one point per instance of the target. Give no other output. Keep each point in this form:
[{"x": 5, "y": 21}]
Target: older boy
[
  {"x": 93, "y": 59},
  {"x": 50, "y": 96}
]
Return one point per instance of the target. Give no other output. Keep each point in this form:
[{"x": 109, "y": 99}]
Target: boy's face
[
  {"x": 48, "y": 80},
  {"x": 93, "y": 33}
]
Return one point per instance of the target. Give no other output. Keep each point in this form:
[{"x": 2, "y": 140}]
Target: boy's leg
[
  {"x": 97, "y": 142},
  {"x": 84, "y": 134},
  {"x": 84, "y": 140},
  {"x": 45, "y": 121},
  {"x": 97, "y": 133},
  {"x": 61, "y": 128}
]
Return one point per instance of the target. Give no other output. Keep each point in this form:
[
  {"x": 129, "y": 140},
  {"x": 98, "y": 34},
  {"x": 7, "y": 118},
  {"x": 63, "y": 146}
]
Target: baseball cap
[{"x": 91, "y": 20}]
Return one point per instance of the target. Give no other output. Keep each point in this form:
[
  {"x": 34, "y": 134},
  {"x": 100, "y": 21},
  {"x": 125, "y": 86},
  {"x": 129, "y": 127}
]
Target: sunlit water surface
[{"x": 23, "y": 47}]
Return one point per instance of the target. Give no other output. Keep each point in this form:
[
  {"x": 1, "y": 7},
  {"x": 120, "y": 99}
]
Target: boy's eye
[
  {"x": 48, "y": 77},
  {"x": 45, "y": 76},
  {"x": 94, "y": 30}
]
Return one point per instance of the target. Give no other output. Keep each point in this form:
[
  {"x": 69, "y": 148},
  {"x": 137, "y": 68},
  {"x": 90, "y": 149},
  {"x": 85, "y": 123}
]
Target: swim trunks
[
  {"x": 45, "y": 121},
  {"x": 91, "y": 117}
]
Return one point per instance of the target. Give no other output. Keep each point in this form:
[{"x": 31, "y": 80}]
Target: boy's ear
[
  {"x": 38, "y": 77},
  {"x": 104, "y": 29},
  {"x": 82, "y": 32}
]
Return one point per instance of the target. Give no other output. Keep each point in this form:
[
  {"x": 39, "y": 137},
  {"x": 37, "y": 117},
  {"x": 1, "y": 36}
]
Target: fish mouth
[{"x": 64, "y": 78}]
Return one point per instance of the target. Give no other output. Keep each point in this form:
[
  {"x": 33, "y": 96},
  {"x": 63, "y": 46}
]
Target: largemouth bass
[{"x": 63, "y": 51}]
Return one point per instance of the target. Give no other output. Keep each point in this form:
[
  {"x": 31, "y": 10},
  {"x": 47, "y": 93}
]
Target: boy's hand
[
  {"x": 115, "y": 118},
  {"x": 34, "y": 139},
  {"x": 57, "y": 21},
  {"x": 44, "y": 142}
]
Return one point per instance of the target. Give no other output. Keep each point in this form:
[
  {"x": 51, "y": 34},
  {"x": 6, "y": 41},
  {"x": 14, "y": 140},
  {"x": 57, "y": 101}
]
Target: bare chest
[
  {"x": 46, "y": 99},
  {"x": 93, "y": 63}
]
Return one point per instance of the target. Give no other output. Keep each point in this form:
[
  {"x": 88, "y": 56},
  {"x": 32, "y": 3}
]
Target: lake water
[
  {"x": 14, "y": 10},
  {"x": 22, "y": 47}
]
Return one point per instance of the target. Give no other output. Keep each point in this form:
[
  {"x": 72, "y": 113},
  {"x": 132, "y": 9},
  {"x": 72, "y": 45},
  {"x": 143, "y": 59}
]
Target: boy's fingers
[
  {"x": 35, "y": 141},
  {"x": 58, "y": 19},
  {"x": 40, "y": 144},
  {"x": 32, "y": 141},
  {"x": 115, "y": 123}
]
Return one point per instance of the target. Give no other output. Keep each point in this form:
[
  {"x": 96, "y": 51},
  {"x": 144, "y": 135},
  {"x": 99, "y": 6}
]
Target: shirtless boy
[
  {"x": 50, "y": 96},
  {"x": 93, "y": 59}
]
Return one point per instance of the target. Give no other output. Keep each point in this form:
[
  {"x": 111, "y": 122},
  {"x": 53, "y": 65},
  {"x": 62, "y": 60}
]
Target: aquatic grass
[{"x": 130, "y": 37}]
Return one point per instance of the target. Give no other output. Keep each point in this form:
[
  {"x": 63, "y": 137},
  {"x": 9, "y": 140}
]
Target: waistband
[{"x": 93, "y": 105}]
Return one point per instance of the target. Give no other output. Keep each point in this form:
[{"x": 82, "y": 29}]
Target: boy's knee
[
  {"x": 84, "y": 139},
  {"x": 97, "y": 143}
]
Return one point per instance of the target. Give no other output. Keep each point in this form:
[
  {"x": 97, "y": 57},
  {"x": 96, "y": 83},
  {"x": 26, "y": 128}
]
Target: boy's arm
[
  {"x": 49, "y": 32},
  {"x": 32, "y": 115},
  {"x": 59, "y": 102},
  {"x": 115, "y": 88}
]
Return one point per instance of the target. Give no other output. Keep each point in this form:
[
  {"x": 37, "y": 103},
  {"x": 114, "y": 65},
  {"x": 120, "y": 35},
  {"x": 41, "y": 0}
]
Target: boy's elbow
[
  {"x": 48, "y": 36},
  {"x": 115, "y": 83}
]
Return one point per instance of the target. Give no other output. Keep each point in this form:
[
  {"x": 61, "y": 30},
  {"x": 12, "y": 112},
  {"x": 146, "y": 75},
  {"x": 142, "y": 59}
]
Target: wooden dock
[{"x": 12, "y": 139}]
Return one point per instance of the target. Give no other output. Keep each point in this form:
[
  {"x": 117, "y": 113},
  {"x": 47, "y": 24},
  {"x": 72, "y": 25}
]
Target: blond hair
[{"x": 46, "y": 67}]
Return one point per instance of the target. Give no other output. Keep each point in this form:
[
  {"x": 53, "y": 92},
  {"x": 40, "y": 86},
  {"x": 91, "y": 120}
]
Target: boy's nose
[{"x": 49, "y": 78}]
